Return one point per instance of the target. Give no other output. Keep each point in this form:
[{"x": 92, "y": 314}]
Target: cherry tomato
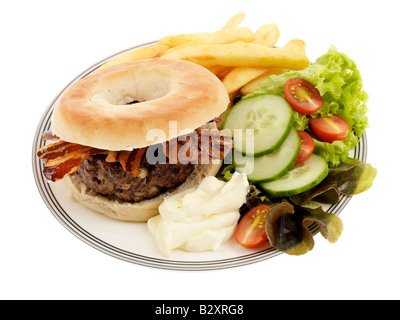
[
  {"x": 307, "y": 147},
  {"x": 302, "y": 96},
  {"x": 250, "y": 232},
  {"x": 330, "y": 129}
]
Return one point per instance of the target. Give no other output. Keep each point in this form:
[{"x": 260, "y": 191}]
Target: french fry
[
  {"x": 220, "y": 71},
  {"x": 235, "y": 20},
  {"x": 221, "y": 36},
  {"x": 267, "y": 35},
  {"x": 178, "y": 47},
  {"x": 298, "y": 45},
  {"x": 148, "y": 52},
  {"x": 253, "y": 84},
  {"x": 239, "y": 76},
  {"x": 224, "y": 71},
  {"x": 217, "y": 70},
  {"x": 244, "y": 54}
]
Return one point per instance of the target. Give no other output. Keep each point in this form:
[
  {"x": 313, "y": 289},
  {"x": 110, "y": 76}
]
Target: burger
[{"x": 125, "y": 137}]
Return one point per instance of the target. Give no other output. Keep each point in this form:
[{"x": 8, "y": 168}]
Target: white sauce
[{"x": 202, "y": 218}]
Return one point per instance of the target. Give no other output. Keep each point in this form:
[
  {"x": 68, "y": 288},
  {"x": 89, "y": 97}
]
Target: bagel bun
[
  {"x": 97, "y": 110},
  {"x": 136, "y": 211},
  {"x": 113, "y": 110}
]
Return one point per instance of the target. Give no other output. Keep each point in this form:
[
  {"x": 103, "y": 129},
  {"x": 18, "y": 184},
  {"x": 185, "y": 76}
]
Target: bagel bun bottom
[{"x": 138, "y": 211}]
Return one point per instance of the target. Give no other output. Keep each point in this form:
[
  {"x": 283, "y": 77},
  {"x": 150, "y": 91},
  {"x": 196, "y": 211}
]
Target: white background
[{"x": 45, "y": 44}]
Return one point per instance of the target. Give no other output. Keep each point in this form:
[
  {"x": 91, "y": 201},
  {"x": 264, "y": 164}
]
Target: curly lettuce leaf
[
  {"x": 336, "y": 152},
  {"x": 340, "y": 83},
  {"x": 287, "y": 227},
  {"x": 352, "y": 176}
]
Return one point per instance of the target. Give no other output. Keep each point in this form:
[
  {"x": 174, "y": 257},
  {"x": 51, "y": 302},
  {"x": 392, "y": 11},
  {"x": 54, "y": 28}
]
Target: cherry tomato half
[
  {"x": 250, "y": 232},
  {"x": 307, "y": 147},
  {"x": 330, "y": 129},
  {"x": 302, "y": 96}
]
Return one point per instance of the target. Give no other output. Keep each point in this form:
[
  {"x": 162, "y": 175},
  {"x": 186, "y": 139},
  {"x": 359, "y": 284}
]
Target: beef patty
[{"x": 112, "y": 180}]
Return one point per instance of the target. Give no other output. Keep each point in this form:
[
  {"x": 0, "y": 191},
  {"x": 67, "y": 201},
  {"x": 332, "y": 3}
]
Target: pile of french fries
[{"x": 239, "y": 57}]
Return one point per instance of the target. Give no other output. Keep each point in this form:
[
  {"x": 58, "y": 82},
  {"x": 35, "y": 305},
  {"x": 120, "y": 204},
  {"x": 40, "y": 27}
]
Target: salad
[{"x": 292, "y": 137}]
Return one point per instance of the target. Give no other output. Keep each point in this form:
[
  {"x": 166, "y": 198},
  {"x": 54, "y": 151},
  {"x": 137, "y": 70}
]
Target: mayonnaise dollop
[{"x": 202, "y": 218}]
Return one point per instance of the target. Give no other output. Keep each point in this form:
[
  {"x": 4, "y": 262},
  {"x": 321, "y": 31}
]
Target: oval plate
[{"x": 132, "y": 242}]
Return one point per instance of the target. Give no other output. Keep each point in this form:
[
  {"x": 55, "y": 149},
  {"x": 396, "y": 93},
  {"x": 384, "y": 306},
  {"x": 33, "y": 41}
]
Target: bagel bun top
[{"x": 174, "y": 97}]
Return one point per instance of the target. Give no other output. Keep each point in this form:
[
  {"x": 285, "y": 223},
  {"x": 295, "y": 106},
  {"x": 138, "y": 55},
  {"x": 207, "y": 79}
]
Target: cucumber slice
[
  {"x": 301, "y": 178},
  {"x": 270, "y": 166},
  {"x": 268, "y": 115}
]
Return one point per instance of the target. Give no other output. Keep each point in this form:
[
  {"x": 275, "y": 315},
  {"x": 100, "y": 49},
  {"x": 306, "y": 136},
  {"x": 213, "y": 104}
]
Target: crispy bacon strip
[
  {"x": 215, "y": 143},
  {"x": 199, "y": 146},
  {"x": 62, "y": 158},
  {"x": 131, "y": 161},
  {"x": 181, "y": 151}
]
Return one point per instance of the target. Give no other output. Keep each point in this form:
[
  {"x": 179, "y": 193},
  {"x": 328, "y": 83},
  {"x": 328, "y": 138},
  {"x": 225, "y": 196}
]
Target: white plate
[{"x": 131, "y": 241}]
